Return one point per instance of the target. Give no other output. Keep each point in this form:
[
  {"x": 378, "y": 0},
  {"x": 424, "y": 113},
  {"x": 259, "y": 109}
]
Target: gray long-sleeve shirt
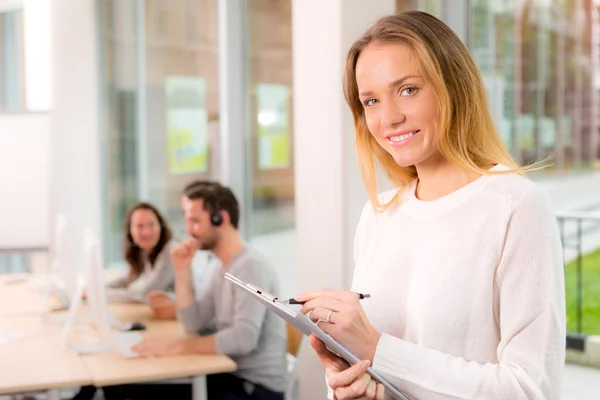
[
  {"x": 159, "y": 276},
  {"x": 254, "y": 338}
]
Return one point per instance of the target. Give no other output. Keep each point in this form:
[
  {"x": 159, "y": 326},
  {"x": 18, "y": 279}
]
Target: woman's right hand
[
  {"x": 161, "y": 304},
  {"x": 347, "y": 382}
]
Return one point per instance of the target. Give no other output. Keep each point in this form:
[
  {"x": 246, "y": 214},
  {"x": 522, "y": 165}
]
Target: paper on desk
[{"x": 11, "y": 337}]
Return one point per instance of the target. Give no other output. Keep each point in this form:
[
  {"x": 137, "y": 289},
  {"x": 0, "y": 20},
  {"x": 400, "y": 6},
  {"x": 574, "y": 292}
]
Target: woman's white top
[{"x": 468, "y": 291}]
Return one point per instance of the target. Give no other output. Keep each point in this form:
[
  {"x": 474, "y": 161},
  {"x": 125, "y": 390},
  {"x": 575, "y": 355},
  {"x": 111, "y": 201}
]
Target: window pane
[
  {"x": 182, "y": 99},
  {"x": 120, "y": 91},
  {"x": 12, "y": 75},
  {"x": 162, "y": 134},
  {"x": 403, "y": 5},
  {"x": 270, "y": 54},
  {"x": 537, "y": 65},
  {"x": 434, "y": 7}
]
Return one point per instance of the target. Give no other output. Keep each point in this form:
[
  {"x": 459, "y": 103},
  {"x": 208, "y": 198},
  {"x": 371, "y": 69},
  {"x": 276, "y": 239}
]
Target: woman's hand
[
  {"x": 345, "y": 381},
  {"x": 340, "y": 314},
  {"x": 162, "y": 305}
]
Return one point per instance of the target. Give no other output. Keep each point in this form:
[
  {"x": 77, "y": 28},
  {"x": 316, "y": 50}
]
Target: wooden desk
[
  {"x": 41, "y": 362},
  {"x": 113, "y": 368},
  {"x": 21, "y": 295},
  {"x": 37, "y": 362}
]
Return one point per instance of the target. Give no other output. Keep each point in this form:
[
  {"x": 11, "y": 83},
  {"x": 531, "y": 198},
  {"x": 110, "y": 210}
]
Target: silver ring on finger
[{"x": 328, "y": 319}]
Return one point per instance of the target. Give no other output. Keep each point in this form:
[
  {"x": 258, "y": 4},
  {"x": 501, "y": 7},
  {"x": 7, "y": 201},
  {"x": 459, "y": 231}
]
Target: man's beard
[{"x": 210, "y": 242}]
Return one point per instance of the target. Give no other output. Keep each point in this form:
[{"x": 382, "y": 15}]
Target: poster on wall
[
  {"x": 273, "y": 126},
  {"x": 187, "y": 124}
]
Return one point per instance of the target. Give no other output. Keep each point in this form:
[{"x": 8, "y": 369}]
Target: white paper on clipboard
[{"x": 307, "y": 327}]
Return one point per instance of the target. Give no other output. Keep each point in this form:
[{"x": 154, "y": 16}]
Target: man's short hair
[
  {"x": 193, "y": 184},
  {"x": 216, "y": 197}
]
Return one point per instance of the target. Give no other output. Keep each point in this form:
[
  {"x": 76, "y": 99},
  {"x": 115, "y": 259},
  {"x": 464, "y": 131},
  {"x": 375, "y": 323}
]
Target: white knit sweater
[{"x": 468, "y": 291}]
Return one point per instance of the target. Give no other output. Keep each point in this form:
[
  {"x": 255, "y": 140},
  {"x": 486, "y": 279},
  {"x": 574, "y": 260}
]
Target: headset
[{"x": 216, "y": 219}]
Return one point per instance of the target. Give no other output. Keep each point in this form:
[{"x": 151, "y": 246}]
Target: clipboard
[{"x": 307, "y": 327}]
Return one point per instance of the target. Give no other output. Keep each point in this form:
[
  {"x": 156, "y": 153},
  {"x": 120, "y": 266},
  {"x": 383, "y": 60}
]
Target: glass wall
[
  {"x": 12, "y": 76},
  {"x": 181, "y": 110},
  {"x": 161, "y": 86},
  {"x": 434, "y": 7},
  {"x": 271, "y": 152},
  {"x": 538, "y": 59},
  {"x": 120, "y": 92},
  {"x": 538, "y": 64}
]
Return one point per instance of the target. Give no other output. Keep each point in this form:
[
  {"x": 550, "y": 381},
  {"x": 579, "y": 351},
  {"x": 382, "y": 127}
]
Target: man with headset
[
  {"x": 203, "y": 267},
  {"x": 254, "y": 338}
]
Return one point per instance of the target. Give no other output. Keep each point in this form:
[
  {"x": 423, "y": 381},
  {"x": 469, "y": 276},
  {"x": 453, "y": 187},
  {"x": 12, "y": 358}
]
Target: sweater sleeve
[
  {"x": 198, "y": 317},
  {"x": 119, "y": 282},
  {"x": 161, "y": 278},
  {"x": 529, "y": 292}
]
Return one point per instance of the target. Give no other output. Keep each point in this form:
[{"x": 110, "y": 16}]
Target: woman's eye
[
  {"x": 369, "y": 102},
  {"x": 409, "y": 91}
]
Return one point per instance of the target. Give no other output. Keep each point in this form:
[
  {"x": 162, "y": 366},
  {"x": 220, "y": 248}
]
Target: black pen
[{"x": 294, "y": 301}]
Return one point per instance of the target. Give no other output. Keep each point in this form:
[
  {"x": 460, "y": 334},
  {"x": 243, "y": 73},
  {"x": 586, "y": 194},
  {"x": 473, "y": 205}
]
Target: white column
[
  {"x": 329, "y": 191},
  {"x": 75, "y": 133},
  {"x": 235, "y": 169}
]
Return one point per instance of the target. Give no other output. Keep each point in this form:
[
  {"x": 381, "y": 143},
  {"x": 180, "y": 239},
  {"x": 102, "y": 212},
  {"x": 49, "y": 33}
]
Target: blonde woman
[{"x": 463, "y": 259}]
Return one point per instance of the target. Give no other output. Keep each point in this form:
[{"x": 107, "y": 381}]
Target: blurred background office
[{"x": 107, "y": 102}]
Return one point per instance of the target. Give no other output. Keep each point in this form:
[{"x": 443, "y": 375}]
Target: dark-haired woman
[{"x": 147, "y": 245}]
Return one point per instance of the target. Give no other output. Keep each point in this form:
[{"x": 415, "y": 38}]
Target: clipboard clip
[
  {"x": 258, "y": 290},
  {"x": 250, "y": 286}
]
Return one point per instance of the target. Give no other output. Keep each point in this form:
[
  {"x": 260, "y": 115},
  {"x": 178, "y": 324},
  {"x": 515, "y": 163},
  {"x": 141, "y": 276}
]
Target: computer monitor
[
  {"x": 95, "y": 286},
  {"x": 61, "y": 280},
  {"x": 66, "y": 271},
  {"x": 92, "y": 283}
]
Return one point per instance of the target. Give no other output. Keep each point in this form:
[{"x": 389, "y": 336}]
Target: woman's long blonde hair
[{"x": 467, "y": 136}]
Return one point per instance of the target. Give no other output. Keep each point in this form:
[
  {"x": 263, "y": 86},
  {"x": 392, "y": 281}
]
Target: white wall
[
  {"x": 36, "y": 27},
  {"x": 10, "y": 5},
  {"x": 329, "y": 192},
  {"x": 280, "y": 249},
  {"x": 24, "y": 162},
  {"x": 76, "y": 146}
]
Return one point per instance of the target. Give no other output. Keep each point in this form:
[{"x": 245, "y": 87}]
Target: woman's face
[
  {"x": 400, "y": 106},
  {"x": 144, "y": 229}
]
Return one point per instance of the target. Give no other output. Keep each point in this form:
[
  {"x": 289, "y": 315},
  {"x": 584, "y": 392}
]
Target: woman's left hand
[
  {"x": 355, "y": 383},
  {"x": 347, "y": 382},
  {"x": 340, "y": 314}
]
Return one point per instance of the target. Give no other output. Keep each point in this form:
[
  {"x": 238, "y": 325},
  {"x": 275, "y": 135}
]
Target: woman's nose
[{"x": 392, "y": 114}]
